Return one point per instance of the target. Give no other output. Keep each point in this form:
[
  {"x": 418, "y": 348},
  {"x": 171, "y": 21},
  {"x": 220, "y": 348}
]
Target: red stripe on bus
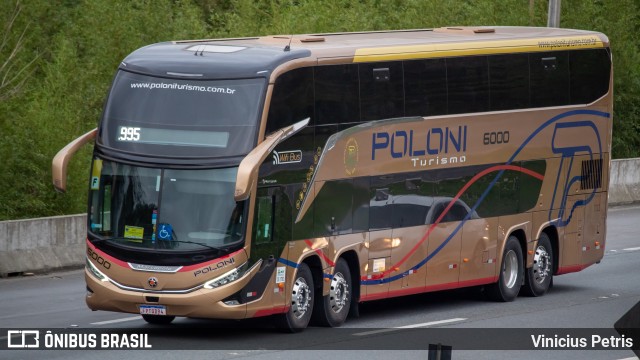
[
  {"x": 572, "y": 268},
  {"x": 272, "y": 311},
  {"x": 199, "y": 265},
  {"x": 446, "y": 210},
  {"x": 431, "y": 288},
  {"x": 319, "y": 252},
  {"x": 184, "y": 268},
  {"x": 107, "y": 256}
]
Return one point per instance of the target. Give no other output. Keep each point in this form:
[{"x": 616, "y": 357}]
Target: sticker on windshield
[
  {"x": 165, "y": 232},
  {"x": 95, "y": 174},
  {"x": 134, "y": 232}
]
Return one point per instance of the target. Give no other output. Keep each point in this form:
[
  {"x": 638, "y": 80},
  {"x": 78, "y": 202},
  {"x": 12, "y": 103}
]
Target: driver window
[{"x": 264, "y": 220}]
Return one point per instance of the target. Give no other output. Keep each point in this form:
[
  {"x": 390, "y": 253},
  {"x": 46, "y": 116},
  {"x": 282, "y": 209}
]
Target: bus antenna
[{"x": 288, "y": 47}]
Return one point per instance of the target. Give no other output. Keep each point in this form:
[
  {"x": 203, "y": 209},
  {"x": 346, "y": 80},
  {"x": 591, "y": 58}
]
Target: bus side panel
[
  {"x": 571, "y": 244},
  {"x": 594, "y": 230},
  {"x": 479, "y": 251},
  {"x": 403, "y": 240},
  {"x": 443, "y": 269},
  {"x": 379, "y": 255}
]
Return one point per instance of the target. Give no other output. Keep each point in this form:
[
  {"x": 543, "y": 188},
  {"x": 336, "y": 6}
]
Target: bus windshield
[
  {"x": 177, "y": 117},
  {"x": 165, "y": 209}
]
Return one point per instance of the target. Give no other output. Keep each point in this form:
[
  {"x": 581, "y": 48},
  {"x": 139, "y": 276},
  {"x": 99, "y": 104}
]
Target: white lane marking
[
  {"x": 439, "y": 322},
  {"x": 631, "y": 358},
  {"x": 117, "y": 320},
  {"x": 632, "y": 249}
]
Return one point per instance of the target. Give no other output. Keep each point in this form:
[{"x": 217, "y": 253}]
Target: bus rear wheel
[
  {"x": 158, "y": 319},
  {"x": 540, "y": 275},
  {"x": 302, "y": 292},
  {"x": 511, "y": 273},
  {"x": 332, "y": 310}
]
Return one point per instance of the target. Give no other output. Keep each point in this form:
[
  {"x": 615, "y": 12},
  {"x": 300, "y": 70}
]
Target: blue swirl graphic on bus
[{"x": 568, "y": 153}]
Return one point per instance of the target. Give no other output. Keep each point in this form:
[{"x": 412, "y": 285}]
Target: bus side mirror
[
  {"x": 248, "y": 169},
  {"x": 61, "y": 160}
]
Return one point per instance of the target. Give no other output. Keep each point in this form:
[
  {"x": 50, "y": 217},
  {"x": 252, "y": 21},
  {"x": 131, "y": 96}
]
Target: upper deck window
[{"x": 178, "y": 117}]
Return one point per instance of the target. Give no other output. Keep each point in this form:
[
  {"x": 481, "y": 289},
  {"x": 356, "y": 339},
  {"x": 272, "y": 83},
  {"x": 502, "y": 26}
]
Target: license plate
[{"x": 153, "y": 310}]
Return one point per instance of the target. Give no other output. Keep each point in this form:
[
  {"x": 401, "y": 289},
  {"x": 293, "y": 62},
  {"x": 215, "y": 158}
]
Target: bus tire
[
  {"x": 334, "y": 308},
  {"x": 511, "y": 273},
  {"x": 540, "y": 275},
  {"x": 297, "y": 317},
  {"x": 158, "y": 319}
]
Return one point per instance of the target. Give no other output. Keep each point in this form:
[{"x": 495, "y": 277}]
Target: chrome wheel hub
[
  {"x": 510, "y": 269},
  {"x": 541, "y": 265},
  {"x": 339, "y": 292},
  {"x": 300, "y": 298}
]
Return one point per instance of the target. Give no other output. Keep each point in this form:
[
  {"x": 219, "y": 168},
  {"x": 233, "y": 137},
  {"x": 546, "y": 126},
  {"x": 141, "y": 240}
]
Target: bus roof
[{"x": 244, "y": 57}]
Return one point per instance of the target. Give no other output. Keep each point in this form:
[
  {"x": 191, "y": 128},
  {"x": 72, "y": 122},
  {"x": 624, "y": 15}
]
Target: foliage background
[{"x": 57, "y": 59}]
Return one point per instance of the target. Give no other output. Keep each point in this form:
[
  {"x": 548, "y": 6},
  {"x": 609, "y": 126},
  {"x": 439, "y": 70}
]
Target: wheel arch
[
  {"x": 353, "y": 262},
  {"x": 315, "y": 265},
  {"x": 522, "y": 240},
  {"x": 552, "y": 232}
]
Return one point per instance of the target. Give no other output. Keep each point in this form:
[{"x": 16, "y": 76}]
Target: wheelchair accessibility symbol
[{"x": 165, "y": 231}]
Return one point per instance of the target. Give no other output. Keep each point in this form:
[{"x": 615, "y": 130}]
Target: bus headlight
[
  {"x": 97, "y": 273},
  {"x": 227, "y": 277}
]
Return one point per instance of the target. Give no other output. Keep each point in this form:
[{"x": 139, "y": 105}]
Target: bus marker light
[
  {"x": 465, "y": 260},
  {"x": 530, "y": 252}
]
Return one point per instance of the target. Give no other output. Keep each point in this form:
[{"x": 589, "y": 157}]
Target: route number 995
[
  {"x": 496, "y": 137},
  {"x": 129, "y": 133}
]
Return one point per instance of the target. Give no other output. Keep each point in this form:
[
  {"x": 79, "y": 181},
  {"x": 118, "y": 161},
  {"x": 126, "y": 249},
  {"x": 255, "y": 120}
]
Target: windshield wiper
[{"x": 187, "y": 242}]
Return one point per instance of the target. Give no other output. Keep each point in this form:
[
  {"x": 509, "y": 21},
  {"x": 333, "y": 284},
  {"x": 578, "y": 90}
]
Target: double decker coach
[{"x": 298, "y": 176}]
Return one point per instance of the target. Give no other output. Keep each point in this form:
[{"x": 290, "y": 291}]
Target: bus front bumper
[{"x": 203, "y": 303}]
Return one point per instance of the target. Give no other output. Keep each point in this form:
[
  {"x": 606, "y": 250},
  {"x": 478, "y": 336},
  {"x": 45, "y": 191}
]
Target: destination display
[{"x": 173, "y": 137}]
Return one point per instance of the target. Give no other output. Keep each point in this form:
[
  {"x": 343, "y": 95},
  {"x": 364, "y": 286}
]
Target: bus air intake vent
[{"x": 591, "y": 177}]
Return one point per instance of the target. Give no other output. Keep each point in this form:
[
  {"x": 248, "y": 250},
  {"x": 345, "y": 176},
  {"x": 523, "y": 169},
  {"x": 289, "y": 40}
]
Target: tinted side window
[
  {"x": 336, "y": 94},
  {"x": 509, "y": 81},
  {"x": 457, "y": 213},
  {"x": 549, "y": 78},
  {"x": 425, "y": 86},
  {"x": 292, "y": 99},
  {"x": 590, "y": 71},
  {"x": 410, "y": 210},
  {"x": 333, "y": 203},
  {"x": 468, "y": 84},
  {"x": 360, "y": 204},
  {"x": 380, "y": 208},
  {"x": 381, "y": 90}
]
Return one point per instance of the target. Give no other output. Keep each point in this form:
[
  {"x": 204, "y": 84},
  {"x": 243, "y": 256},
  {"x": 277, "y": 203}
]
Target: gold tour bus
[{"x": 298, "y": 176}]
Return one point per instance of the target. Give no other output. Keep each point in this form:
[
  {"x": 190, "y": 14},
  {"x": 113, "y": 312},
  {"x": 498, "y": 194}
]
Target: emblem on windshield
[{"x": 153, "y": 282}]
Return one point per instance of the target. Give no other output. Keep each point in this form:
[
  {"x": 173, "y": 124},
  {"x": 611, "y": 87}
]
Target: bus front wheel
[
  {"x": 301, "y": 306},
  {"x": 511, "y": 273},
  {"x": 540, "y": 275},
  {"x": 332, "y": 310}
]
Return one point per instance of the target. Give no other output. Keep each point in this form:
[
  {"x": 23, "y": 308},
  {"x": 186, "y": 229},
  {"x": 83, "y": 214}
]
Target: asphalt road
[{"x": 592, "y": 299}]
